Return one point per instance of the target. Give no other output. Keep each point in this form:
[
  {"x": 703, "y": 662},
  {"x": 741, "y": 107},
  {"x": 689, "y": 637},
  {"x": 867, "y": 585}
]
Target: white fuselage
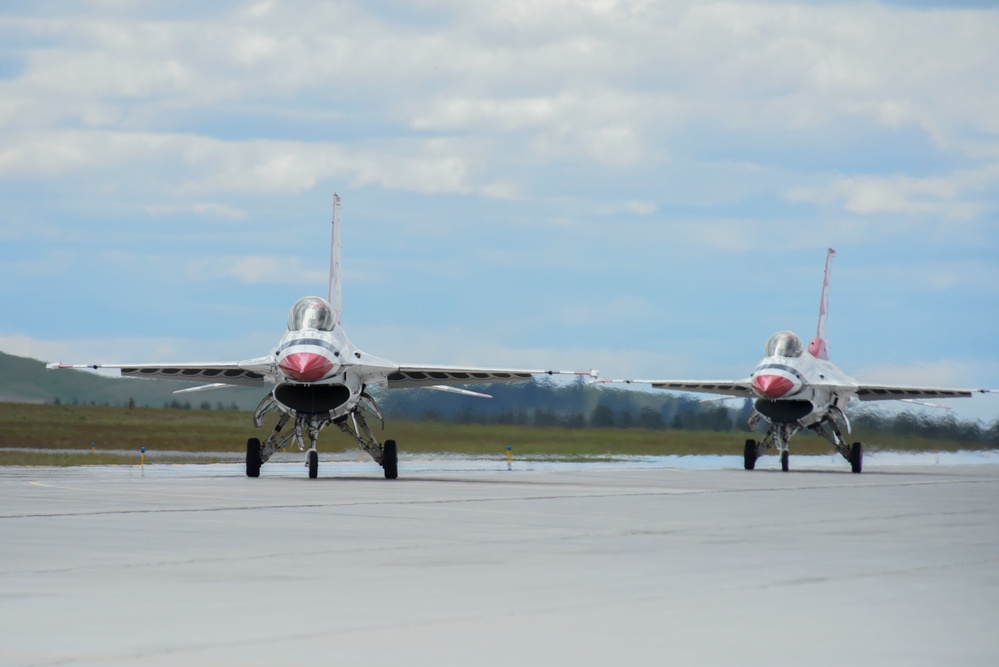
[
  {"x": 322, "y": 371},
  {"x": 315, "y": 373},
  {"x": 789, "y": 383}
]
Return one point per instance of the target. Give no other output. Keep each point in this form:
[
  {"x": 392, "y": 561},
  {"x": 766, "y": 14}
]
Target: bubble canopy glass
[
  {"x": 784, "y": 344},
  {"x": 311, "y": 312}
]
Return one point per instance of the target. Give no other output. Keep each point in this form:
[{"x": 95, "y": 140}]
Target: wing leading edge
[
  {"x": 740, "y": 388},
  {"x": 883, "y": 392},
  {"x": 250, "y": 373},
  {"x": 863, "y": 392},
  {"x": 431, "y": 376}
]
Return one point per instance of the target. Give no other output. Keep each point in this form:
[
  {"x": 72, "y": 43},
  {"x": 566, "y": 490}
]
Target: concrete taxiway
[{"x": 459, "y": 565}]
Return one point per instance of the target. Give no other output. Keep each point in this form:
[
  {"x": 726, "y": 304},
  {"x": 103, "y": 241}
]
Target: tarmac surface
[{"x": 460, "y": 563}]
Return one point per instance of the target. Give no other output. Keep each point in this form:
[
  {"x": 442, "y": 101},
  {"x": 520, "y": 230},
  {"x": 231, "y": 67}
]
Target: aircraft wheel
[
  {"x": 253, "y": 457},
  {"x": 749, "y": 455},
  {"x": 785, "y": 457},
  {"x": 390, "y": 460},
  {"x": 313, "y": 464},
  {"x": 857, "y": 457}
]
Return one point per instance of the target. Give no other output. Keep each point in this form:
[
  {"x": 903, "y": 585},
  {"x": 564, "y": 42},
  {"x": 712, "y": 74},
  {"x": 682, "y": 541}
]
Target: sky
[{"x": 643, "y": 188}]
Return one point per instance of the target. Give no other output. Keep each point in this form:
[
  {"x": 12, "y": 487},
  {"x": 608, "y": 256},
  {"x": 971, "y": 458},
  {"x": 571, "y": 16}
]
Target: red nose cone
[
  {"x": 772, "y": 386},
  {"x": 306, "y": 366}
]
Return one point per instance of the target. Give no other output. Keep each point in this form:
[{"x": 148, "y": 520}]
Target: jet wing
[
  {"x": 742, "y": 388},
  {"x": 430, "y": 376},
  {"x": 884, "y": 392},
  {"x": 250, "y": 373}
]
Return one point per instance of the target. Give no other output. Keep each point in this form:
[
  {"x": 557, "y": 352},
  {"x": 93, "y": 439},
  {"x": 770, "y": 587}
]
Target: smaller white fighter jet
[
  {"x": 797, "y": 387},
  {"x": 320, "y": 378}
]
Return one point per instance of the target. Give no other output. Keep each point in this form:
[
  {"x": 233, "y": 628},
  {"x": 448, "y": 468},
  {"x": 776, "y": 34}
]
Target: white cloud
[
  {"x": 270, "y": 269},
  {"x": 608, "y": 81},
  {"x": 512, "y": 101},
  {"x": 200, "y": 209},
  {"x": 936, "y": 276},
  {"x": 955, "y": 195},
  {"x": 213, "y": 166},
  {"x": 632, "y": 206}
]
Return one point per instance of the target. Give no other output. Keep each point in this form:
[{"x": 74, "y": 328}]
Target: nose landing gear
[{"x": 313, "y": 463}]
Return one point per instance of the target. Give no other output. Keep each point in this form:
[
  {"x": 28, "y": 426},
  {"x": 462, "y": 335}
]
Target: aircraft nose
[
  {"x": 306, "y": 366},
  {"x": 772, "y": 386}
]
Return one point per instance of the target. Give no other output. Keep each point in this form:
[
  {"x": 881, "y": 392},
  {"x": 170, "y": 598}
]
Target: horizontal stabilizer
[
  {"x": 203, "y": 387},
  {"x": 456, "y": 390}
]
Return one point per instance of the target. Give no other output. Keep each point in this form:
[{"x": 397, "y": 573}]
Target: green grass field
[{"x": 64, "y": 427}]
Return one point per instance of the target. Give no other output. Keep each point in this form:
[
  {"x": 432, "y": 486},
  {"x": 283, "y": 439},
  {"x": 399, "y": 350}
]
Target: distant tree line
[
  {"x": 924, "y": 425},
  {"x": 173, "y": 404}
]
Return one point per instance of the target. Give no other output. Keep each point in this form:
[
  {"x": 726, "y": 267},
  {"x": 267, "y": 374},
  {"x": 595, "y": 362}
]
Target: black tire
[
  {"x": 313, "y": 464},
  {"x": 785, "y": 460},
  {"x": 253, "y": 457},
  {"x": 857, "y": 457},
  {"x": 749, "y": 455},
  {"x": 390, "y": 460}
]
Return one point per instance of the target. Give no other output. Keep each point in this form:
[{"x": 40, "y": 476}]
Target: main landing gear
[
  {"x": 857, "y": 457},
  {"x": 353, "y": 424},
  {"x": 830, "y": 430},
  {"x": 390, "y": 460},
  {"x": 779, "y": 435},
  {"x": 253, "y": 457}
]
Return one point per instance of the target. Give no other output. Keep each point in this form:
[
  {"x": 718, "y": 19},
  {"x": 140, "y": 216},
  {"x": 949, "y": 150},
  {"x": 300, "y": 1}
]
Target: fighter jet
[
  {"x": 797, "y": 387},
  {"x": 320, "y": 378}
]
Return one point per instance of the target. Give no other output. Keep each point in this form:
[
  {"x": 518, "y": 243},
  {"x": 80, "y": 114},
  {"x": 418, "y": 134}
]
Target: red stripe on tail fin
[{"x": 818, "y": 347}]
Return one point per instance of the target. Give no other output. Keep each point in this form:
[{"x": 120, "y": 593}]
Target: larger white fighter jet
[
  {"x": 320, "y": 379},
  {"x": 797, "y": 387}
]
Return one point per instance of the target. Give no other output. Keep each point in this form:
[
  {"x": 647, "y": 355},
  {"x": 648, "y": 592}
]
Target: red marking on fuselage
[
  {"x": 772, "y": 386},
  {"x": 306, "y": 366}
]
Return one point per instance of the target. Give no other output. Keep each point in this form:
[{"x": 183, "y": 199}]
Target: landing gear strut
[
  {"x": 778, "y": 435},
  {"x": 384, "y": 455},
  {"x": 830, "y": 430}
]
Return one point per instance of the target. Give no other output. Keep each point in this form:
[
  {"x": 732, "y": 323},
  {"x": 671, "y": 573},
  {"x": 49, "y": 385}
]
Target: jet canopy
[
  {"x": 784, "y": 344},
  {"x": 311, "y": 312}
]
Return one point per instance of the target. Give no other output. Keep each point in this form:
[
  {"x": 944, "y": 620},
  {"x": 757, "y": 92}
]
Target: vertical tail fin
[
  {"x": 818, "y": 348},
  {"x": 335, "y": 295}
]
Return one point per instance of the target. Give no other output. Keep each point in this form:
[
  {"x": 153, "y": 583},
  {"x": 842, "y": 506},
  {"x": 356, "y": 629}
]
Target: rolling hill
[{"x": 24, "y": 380}]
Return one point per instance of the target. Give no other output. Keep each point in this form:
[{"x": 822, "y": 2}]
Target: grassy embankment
[{"x": 66, "y": 427}]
